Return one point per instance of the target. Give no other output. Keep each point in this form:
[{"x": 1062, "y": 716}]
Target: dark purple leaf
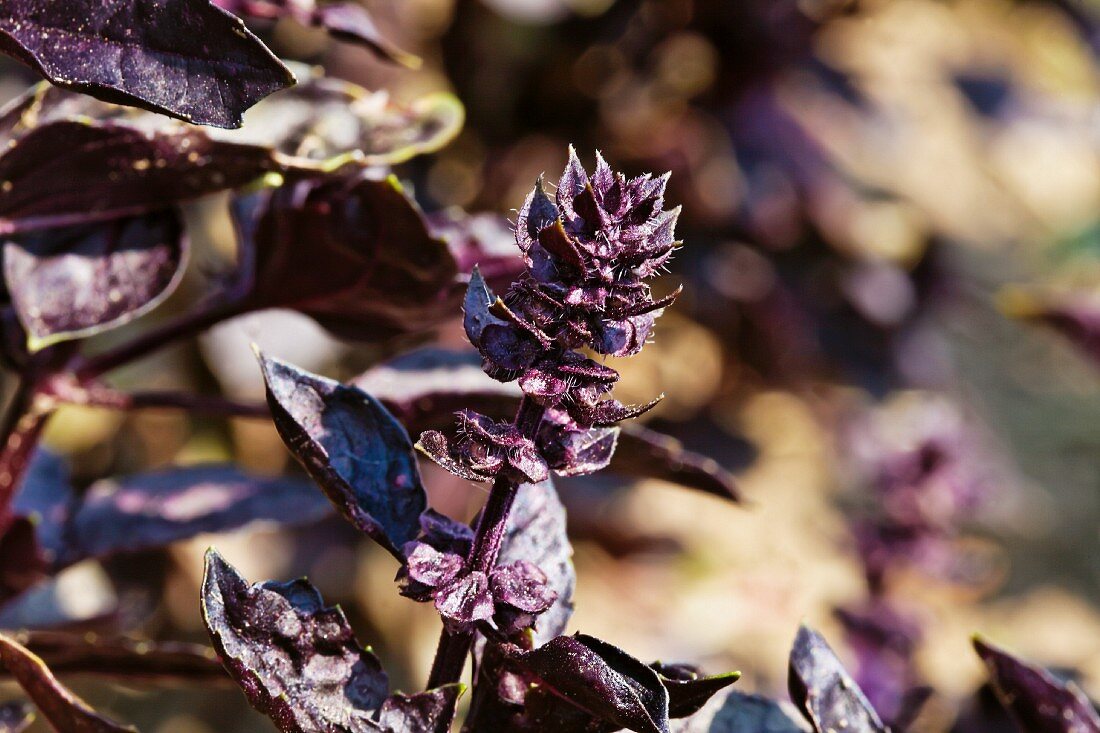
[
  {"x": 15, "y": 717},
  {"x": 348, "y": 21},
  {"x": 299, "y": 663},
  {"x": 78, "y": 281},
  {"x": 66, "y": 652},
  {"x": 688, "y": 689},
  {"x": 523, "y": 586},
  {"x": 465, "y": 600},
  {"x": 1039, "y": 701},
  {"x": 601, "y": 680},
  {"x": 475, "y": 307},
  {"x": 737, "y": 712},
  {"x": 186, "y": 58},
  {"x": 155, "y": 509},
  {"x": 824, "y": 692},
  {"x": 647, "y": 453},
  {"x": 65, "y": 711},
  {"x": 353, "y": 448},
  {"x": 535, "y": 533},
  {"x": 70, "y": 160},
  {"x": 351, "y": 252}
]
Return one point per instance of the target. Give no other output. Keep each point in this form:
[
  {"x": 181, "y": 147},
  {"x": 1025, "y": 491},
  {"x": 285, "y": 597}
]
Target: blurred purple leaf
[
  {"x": 78, "y": 281},
  {"x": 185, "y": 58},
  {"x": 824, "y": 692},
  {"x": 65, "y": 711},
  {"x": 1040, "y": 702},
  {"x": 601, "y": 680},
  {"x": 350, "y": 252},
  {"x": 155, "y": 509},
  {"x": 353, "y": 448},
  {"x": 15, "y": 717},
  {"x": 348, "y": 21},
  {"x": 71, "y": 160},
  {"x": 299, "y": 663},
  {"x": 737, "y": 712},
  {"x": 688, "y": 689}
]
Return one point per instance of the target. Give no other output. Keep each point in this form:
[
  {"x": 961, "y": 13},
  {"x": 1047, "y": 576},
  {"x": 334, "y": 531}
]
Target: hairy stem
[{"x": 450, "y": 655}]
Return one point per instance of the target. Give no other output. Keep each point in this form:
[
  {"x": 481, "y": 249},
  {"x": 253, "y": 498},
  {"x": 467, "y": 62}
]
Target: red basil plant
[{"x": 94, "y": 176}]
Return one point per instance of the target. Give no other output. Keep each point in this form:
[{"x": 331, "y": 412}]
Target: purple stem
[
  {"x": 450, "y": 655},
  {"x": 187, "y": 325}
]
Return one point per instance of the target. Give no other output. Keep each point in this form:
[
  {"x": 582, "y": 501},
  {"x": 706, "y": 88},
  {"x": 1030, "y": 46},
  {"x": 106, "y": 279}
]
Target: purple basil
[
  {"x": 186, "y": 58},
  {"x": 824, "y": 691},
  {"x": 299, "y": 663},
  {"x": 353, "y": 448},
  {"x": 601, "y": 680},
  {"x": 1040, "y": 702},
  {"x": 78, "y": 281}
]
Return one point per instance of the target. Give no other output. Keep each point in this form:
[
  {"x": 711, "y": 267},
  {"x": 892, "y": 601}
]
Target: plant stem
[
  {"x": 189, "y": 324},
  {"x": 450, "y": 655},
  {"x": 20, "y": 429}
]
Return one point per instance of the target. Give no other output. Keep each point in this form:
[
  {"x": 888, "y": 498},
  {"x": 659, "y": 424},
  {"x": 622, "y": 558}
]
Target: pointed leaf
[
  {"x": 425, "y": 712},
  {"x": 602, "y": 680},
  {"x": 353, "y": 448},
  {"x": 824, "y": 692},
  {"x": 186, "y": 58},
  {"x": 353, "y": 253},
  {"x": 78, "y": 281},
  {"x": 1040, "y": 702},
  {"x": 297, "y": 661},
  {"x": 67, "y": 160},
  {"x": 64, "y": 710},
  {"x": 475, "y": 307},
  {"x": 688, "y": 690}
]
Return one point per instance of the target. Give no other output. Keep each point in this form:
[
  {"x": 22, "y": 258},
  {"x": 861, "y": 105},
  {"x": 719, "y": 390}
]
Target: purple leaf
[
  {"x": 15, "y": 717},
  {"x": 535, "y": 533},
  {"x": 465, "y": 600},
  {"x": 1040, "y": 702},
  {"x": 353, "y": 448},
  {"x": 824, "y": 692},
  {"x": 600, "y": 679},
  {"x": 64, "y": 710},
  {"x": 353, "y": 253},
  {"x": 348, "y": 21},
  {"x": 185, "y": 58},
  {"x": 299, "y": 663},
  {"x": 71, "y": 160},
  {"x": 78, "y": 281},
  {"x": 475, "y": 308},
  {"x": 688, "y": 689},
  {"x": 523, "y": 586},
  {"x": 737, "y": 712},
  {"x": 155, "y": 509}
]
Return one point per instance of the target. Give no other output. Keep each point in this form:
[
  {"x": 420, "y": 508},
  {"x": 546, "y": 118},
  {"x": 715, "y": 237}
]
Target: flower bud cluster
[{"x": 589, "y": 250}]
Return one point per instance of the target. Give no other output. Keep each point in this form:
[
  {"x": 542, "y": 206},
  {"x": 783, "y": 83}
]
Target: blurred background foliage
[{"x": 875, "y": 193}]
